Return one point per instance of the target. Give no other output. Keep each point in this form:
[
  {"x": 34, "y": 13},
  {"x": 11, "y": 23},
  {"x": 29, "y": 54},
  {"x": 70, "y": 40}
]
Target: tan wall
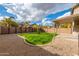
[
  {"x": 64, "y": 30},
  {"x": 18, "y": 30},
  {"x": 0, "y": 30},
  {"x": 59, "y": 30},
  {"x": 76, "y": 11},
  {"x": 12, "y": 30},
  {"x": 5, "y": 30},
  {"x": 76, "y": 26},
  {"x": 23, "y": 29},
  {"x": 50, "y": 30}
]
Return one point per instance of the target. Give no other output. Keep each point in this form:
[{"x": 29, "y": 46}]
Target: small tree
[
  {"x": 8, "y": 22},
  {"x": 26, "y": 24},
  {"x": 37, "y": 28}
]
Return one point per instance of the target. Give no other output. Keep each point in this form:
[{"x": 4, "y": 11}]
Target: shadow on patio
[{"x": 12, "y": 45}]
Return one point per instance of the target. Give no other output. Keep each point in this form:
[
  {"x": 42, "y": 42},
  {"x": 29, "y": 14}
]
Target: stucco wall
[
  {"x": 64, "y": 30},
  {"x": 5, "y": 30},
  {"x": 50, "y": 30},
  {"x": 59, "y": 30},
  {"x": 76, "y": 11},
  {"x": 12, "y": 30},
  {"x": 0, "y": 30},
  {"x": 76, "y": 26}
]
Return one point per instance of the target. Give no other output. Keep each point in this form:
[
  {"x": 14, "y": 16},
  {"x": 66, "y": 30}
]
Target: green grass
[{"x": 38, "y": 39}]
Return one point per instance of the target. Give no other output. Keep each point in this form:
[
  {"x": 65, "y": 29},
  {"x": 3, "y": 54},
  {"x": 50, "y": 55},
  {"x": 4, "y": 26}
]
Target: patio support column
[
  {"x": 54, "y": 27},
  {"x": 57, "y": 27},
  {"x": 72, "y": 28}
]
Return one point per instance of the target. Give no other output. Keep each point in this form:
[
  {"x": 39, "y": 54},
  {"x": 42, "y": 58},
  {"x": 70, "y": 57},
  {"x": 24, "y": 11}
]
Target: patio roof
[
  {"x": 66, "y": 19},
  {"x": 75, "y": 6}
]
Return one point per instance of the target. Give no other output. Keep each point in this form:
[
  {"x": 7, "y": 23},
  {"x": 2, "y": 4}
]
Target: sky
[{"x": 36, "y": 13}]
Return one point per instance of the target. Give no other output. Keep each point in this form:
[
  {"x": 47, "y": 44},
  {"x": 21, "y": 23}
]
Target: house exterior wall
[
  {"x": 76, "y": 27},
  {"x": 76, "y": 10},
  {"x": 59, "y": 30},
  {"x": 64, "y": 30},
  {"x": 76, "y": 22}
]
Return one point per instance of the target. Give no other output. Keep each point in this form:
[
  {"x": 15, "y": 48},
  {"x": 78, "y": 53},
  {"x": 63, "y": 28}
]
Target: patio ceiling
[{"x": 66, "y": 19}]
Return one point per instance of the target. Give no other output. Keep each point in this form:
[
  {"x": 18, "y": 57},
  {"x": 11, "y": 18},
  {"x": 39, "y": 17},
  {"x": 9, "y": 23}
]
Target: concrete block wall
[
  {"x": 0, "y": 30},
  {"x": 5, "y": 30}
]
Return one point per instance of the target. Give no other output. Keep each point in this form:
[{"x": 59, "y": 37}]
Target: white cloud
[
  {"x": 1, "y": 18},
  {"x": 10, "y": 11},
  {"x": 43, "y": 20},
  {"x": 29, "y": 19},
  {"x": 19, "y": 19},
  {"x": 29, "y": 13},
  {"x": 28, "y": 5},
  {"x": 47, "y": 23}
]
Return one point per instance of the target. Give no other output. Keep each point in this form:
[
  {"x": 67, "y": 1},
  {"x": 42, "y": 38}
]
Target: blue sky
[
  {"x": 50, "y": 17},
  {"x": 3, "y": 12},
  {"x": 36, "y": 13},
  {"x": 58, "y": 14}
]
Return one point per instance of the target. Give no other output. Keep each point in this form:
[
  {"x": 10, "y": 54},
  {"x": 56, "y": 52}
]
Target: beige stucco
[
  {"x": 76, "y": 10},
  {"x": 76, "y": 21}
]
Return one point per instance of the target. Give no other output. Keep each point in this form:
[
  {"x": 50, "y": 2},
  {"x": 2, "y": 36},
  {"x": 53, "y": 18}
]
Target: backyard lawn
[{"x": 38, "y": 39}]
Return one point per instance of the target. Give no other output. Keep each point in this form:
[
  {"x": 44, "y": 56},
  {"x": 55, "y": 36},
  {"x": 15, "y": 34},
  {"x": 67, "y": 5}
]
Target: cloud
[
  {"x": 47, "y": 23},
  {"x": 4, "y": 12},
  {"x": 52, "y": 7},
  {"x": 35, "y": 11},
  {"x": 1, "y": 18}
]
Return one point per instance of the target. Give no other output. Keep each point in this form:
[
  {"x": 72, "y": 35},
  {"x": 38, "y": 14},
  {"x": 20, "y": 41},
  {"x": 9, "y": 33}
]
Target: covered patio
[{"x": 72, "y": 22}]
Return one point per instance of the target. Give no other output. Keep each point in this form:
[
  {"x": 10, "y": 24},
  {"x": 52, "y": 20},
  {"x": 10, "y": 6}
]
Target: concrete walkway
[
  {"x": 68, "y": 36},
  {"x": 12, "y": 45}
]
